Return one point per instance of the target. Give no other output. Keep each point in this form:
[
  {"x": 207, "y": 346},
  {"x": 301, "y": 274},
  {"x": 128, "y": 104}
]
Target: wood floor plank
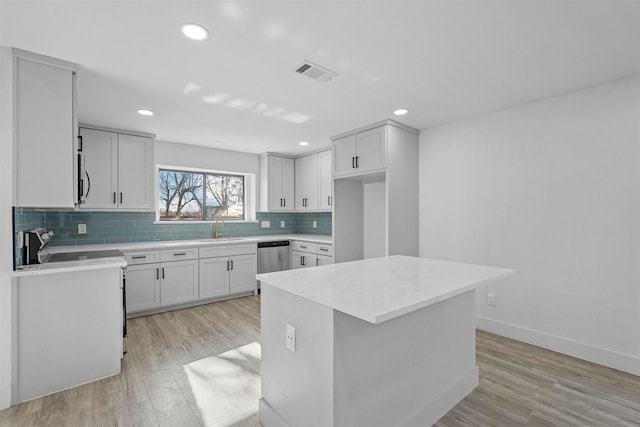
[{"x": 520, "y": 385}]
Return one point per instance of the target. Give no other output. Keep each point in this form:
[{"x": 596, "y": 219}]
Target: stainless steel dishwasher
[{"x": 273, "y": 256}]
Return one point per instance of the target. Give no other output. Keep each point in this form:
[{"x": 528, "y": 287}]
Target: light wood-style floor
[{"x": 198, "y": 367}]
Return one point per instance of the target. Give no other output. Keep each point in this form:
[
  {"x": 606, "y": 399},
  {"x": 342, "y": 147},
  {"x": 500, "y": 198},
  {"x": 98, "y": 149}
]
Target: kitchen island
[{"x": 379, "y": 342}]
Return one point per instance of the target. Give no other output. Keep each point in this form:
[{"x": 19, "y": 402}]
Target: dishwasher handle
[{"x": 273, "y": 244}]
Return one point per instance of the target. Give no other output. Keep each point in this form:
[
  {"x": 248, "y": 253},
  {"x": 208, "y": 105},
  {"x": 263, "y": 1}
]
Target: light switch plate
[
  {"x": 265, "y": 224},
  {"x": 82, "y": 228},
  {"x": 281, "y": 224},
  {"x": 315, "y": 224}
]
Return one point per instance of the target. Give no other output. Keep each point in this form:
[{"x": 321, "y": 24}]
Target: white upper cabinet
[
  {"x": 313, "y": 182},
  {"x": 118, "y": 170},
  {"x": 276, "y": 183},
  {"x": 306, "y": 183},
  {"x": 45, "y": 118},
  {"x": 359, "y": 153},
  {"x": 325, "y": 182}
]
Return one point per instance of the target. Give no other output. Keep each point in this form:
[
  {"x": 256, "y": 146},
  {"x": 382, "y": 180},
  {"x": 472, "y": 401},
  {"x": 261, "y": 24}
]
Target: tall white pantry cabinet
[{"x": 375, "y": 185}]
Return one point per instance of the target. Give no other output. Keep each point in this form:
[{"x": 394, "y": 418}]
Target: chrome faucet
[{"x": 217, "y": 227}]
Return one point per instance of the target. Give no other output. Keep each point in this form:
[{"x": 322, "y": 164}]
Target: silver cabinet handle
[
  {"x": 302, "y": 260},
  {"x": 121, "y": 197},
  {"x": 329, "y": 200},
  {"x": 180, "y": 254},
  {"x": 114, "y": 197},
  {"x": 324, "y": 249},
  {"x": 227, "y": 265},
  {"x": 163, "y": 272},
  {"x": 139, "y": 257},
  {"x": 232, "y": 264},
  {"x": 157, "y": 274}
]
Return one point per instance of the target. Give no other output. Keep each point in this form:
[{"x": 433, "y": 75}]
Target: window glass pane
[
  {"x": 224, "y": 196},
  {"x": 181, "y": 195}
]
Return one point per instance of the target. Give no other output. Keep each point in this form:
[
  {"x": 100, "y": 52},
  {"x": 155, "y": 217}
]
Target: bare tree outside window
[{"x": 199, "y": 196}]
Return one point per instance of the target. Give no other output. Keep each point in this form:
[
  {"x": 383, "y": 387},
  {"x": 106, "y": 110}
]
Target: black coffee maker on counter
[{"x": 34, "y": 242}]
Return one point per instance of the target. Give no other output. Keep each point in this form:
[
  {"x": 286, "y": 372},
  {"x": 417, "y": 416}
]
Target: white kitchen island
[{"x": 380, "y": 342}]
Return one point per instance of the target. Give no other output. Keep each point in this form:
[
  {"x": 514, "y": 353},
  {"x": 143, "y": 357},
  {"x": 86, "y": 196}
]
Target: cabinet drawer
[
  {"x": 304, "y": 247},
  {"x": 325, "y": 250},
  {"x": 178, "y": 254},
  {"x": 227, "y": 250},
  {"x": 147, "y": 257}
]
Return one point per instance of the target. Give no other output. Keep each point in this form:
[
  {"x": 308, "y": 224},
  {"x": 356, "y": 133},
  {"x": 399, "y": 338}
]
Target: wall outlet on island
[
  {"x": 492, "y": 299},
  {"x": 265, "y": 224},
  {"x": 82, "y": 228}
]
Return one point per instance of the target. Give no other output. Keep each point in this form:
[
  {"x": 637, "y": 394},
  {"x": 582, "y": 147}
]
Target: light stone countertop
[
  {"x": 172, "y": 244},
  {"x": 58, "y": 267},
  {"x": 380, "y": 289}
]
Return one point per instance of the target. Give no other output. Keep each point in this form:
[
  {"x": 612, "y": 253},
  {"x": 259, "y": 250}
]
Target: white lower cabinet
[
  {"x": 304, "y": 254},
  {"x": 178, "y": 282},
  {"x": 214, "y": 277},
  {"x": 227, "y": 271},
  {"x": 143, "y": 287}
]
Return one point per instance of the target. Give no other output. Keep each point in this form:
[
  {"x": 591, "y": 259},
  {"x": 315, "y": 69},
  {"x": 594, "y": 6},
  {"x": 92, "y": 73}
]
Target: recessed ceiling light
[
  {"x": 401, "y": 112},
  {"x": 303, "y": 143},
  {"x": 195, "y": 31},
  {"x": 145, "y": 112}
]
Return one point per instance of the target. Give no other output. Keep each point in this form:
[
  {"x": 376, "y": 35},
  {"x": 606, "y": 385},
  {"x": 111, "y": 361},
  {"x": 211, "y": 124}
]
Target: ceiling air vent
[{"x": 315, "y": 72}]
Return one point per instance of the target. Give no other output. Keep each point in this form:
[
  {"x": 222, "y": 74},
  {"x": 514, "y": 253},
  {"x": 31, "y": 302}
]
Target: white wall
[
  {"x": 193, "y": 156},
  {"x": 552, "y": 189},
  {"x": 6, "y": 219}
]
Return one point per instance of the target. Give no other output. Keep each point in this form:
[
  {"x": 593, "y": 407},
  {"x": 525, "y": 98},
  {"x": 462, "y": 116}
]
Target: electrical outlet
[
  {"x": 266, "y": 224},
  {"x": 281, "y": 224},
  {"x": 492, "y": 299},
  {"x": 291, "y": 338},
  {"x": 82, "y": 228},
  {"x": 20, "y": 239},
  {"x": 315, "y": 224}
]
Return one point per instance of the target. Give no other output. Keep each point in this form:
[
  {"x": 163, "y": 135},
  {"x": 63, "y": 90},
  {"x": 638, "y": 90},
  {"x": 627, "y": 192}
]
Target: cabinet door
[
  {"x": 302, "y": 259},
  {"x": 288, "y": 184},
  {"x": 344, "y": 154},
  {"x": 371, "y": 153},
  {"x": 306, "y": 182},
  {"x": 135, "y": 172},
  {"x": 323, "y": 260},
  {"x": 100, "y": 149},
  {"x": 275, "y": 183},
  {"x": 179, "y": 282},
  {"x": 324, "y": 180},
  {"x": 214, "y": 277},
  {"x": 243, "y": 273},
  {"x": 44, "y": 130},
  {"x": 143, "y": 287}
]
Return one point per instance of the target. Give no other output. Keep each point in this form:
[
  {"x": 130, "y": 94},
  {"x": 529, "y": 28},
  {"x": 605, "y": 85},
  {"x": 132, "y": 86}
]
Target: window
[{"x": 200, "y": 196}]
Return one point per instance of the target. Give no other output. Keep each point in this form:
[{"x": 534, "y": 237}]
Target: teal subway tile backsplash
[{"x": 125, "y": 227}]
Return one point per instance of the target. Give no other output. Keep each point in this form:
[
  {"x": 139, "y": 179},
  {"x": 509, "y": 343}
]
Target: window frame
[{"x": 249, "y": 190}]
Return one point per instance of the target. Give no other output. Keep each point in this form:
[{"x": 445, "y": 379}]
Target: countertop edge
[
  {"x": 70, "y": 266},
  {"x": 169, "y": 244}
]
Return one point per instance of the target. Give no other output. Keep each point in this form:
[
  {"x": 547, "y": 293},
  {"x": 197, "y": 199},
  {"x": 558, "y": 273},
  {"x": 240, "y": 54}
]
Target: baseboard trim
[
  {"x": 432, "y": 411},
  {"x": 620, "y": 361},
  {"x": 268, "y": 416},
  {"x": 5, "y": 396}
]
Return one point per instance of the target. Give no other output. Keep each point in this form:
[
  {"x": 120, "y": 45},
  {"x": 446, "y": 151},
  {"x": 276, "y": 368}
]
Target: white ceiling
[{"x": 443, "y": 60}]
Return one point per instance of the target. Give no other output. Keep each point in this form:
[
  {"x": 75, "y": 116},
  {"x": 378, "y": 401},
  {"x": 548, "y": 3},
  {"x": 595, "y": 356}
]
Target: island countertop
[{"x": 380, "y": 289}]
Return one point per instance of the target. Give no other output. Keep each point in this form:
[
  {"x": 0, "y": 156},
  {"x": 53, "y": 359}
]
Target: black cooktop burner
[{"x": 77, "y": 256}]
